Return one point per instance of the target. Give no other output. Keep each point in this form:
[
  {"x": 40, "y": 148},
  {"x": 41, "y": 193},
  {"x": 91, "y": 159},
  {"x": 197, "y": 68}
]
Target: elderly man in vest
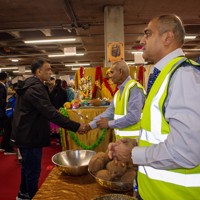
[
  {"x": 168, "y": 154},
  {"x": 124, "y": 112}
]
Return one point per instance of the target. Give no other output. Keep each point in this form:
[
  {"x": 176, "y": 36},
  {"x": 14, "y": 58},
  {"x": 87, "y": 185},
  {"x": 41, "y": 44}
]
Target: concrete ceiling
[{"x": 83, "y": 19}]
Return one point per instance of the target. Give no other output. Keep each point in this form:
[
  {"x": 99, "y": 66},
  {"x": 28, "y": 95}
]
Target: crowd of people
[{"x": 158, "y": 130}]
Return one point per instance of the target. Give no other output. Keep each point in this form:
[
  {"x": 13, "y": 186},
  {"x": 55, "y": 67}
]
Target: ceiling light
[
  {"x": 50, "y": 40},
  {"x": 17, "y": 71},
  {"x": 63, "y": 55},
  {"x": 140, "y": 52},
  {"x": 56, "y": 55},
  {"x": 14, "y": 60},
  {"x": 7, "y": 68},
  {"x": 77, "y": 64},
  {"x": 187, "y": 37},
  {"x": 191, "y": 50}
]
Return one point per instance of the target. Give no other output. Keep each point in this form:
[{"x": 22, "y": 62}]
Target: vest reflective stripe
[
  {"x": 154, "y": 138},
  {"x": 121, "y": 109},
  {"x": 126, "y": 133},
  {"x": 155, "y": 112},
  {"x": 186, "y": 180},
  {"x": 122, "y": 133}
]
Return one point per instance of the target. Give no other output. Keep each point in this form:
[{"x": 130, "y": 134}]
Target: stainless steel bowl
[
  {"x": 114, "y": 186},
  {"x": 73, "y": 162},
  {"x": 114, "y": 197}
]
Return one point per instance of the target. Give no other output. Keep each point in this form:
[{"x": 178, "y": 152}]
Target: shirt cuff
[
  {"x": 93, "y": 125},
  {"x": 138, "y": 155},
  {"x": 111, "y": 123}
]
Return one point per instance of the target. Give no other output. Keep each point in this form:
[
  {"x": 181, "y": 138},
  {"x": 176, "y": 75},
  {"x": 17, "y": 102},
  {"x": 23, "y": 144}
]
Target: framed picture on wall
[{"x": 115, "y": 51}]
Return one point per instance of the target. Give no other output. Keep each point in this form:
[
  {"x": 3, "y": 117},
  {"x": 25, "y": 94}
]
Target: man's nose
[{"x": 142, "y": 41}]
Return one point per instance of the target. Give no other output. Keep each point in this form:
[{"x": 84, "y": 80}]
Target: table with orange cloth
[
  {"x": 59, "y": 186},
  {"x": 85, "y": 115}
]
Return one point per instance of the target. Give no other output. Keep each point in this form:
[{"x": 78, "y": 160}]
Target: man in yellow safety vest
[
  {"x": 124, "y": 112},
  {"x": 168, "y": 151}
]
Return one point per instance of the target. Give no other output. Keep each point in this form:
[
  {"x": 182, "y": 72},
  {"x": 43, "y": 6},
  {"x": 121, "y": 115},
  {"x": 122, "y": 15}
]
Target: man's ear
[
  {"x": 120, "y": 71},
  {"x": 168, "y": 38},
  {"x": 37, "y": 71}
]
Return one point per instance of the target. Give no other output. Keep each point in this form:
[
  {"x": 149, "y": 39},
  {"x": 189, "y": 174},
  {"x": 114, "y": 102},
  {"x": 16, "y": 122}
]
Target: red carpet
[{"x": 10, "y": 171}]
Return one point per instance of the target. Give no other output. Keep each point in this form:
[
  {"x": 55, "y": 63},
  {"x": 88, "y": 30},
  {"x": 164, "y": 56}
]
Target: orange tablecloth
[
  {"x": 59, "y": 186},
  {"x": 85, "y": 115}
]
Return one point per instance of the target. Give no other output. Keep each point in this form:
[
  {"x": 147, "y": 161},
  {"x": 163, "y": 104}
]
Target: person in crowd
[
  {"x": 64, "y": 84},
  {"x": 3, "y": 98},
  {"x": 10, "y": 106},
  {"x": 168, "y": 151},
  {"x": 30, "y": 128},
  {"x": 124, "y": 112},
  {"x": 50, "y": 84},
  {"x": 69, "y": 90},
  {"x": 58, "y": 95},
  {"x": 70, "y": 93},
  {"x": 5, "y": 121}
]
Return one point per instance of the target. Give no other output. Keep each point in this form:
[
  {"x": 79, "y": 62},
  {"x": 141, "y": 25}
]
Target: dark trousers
[
  {"x": 6, "y": 128},
  {"x": 30, "y": 171}
]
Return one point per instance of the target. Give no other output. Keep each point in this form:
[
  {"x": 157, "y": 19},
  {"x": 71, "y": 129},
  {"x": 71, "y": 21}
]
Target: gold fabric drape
[
  {"x": 59, "y": 186},
  {"x": 85, "y": 115}
]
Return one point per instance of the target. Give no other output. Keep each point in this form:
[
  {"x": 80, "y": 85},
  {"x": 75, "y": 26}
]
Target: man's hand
[
  {"x": 87, "y": 127},
  {"x": 84, "y": 128},
  {"x": 129, "y": 142},
  {"x": 120, "y": 151},
  {"x": 102, "y": 123}
]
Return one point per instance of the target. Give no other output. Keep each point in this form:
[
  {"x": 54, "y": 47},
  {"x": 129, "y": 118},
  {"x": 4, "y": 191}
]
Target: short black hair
[
  {"x": 37, "y": 63},
  {"x": 3, "y": 76}
]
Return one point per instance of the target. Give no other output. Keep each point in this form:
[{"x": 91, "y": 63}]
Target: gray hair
[{"x": 173, "y": 23}]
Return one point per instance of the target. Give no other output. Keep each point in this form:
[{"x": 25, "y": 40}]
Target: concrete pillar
[{"x": 113, "y": 34}]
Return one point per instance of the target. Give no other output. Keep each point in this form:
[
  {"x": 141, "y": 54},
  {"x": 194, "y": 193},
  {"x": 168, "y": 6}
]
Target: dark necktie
[{"x": 152, "y": 78}]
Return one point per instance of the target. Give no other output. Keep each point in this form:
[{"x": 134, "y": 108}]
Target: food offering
[
  {"x": 99, "y": 102},
  {"x": 111, "y": 175}
]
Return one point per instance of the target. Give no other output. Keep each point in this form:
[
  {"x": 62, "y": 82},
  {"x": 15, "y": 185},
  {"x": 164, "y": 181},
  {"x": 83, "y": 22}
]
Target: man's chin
[{"x": 146, "y": 58}]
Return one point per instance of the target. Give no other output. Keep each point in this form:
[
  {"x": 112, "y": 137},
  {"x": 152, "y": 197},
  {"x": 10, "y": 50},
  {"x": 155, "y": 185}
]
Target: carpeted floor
[{"x": 10, "y": 171}]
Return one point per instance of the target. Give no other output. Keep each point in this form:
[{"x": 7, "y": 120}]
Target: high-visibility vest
[
  {"x": 121, "y": 109},
  {"x": 155, "y": 184}
]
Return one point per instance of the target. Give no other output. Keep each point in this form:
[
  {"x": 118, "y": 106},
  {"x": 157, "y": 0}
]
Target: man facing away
[{"x": 168, "y": 152}]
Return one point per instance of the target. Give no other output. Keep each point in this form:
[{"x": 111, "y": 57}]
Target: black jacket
[
  {"x": 33, "y": 111},
  {"x": 3, "y": 96},
  {"x": 58, "y": 97}
]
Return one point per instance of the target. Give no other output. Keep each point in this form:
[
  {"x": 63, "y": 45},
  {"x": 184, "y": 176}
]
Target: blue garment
[
  {"x": 30, "y": 170},
  {"x": 152, "y": 79},
  {"x": 10, "y": 107},
  {"x": 70, "y": 94}
]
